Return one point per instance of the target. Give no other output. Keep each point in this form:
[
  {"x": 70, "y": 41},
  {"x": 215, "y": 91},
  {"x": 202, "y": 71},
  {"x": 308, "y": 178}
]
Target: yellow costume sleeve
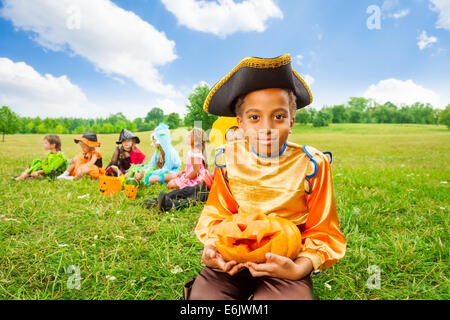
[
  {"x": 324, "y": 243},
  {"x": 219, "y": 206}
]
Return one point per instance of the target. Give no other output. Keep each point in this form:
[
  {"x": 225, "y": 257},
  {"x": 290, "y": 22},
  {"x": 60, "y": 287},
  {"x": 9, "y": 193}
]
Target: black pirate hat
[
  {"x": 126, "y": 134},
  {"x": 253, "y": 74}
]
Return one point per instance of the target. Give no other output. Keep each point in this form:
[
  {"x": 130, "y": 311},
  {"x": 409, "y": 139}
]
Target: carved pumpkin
[
  {"x": 109, "y": 185},
  {"x": 131, "y": 191},
  {"x": 248, "y": 237}
]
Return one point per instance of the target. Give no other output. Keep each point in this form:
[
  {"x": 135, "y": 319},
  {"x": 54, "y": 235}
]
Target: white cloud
[
  {"x": 401, "y": 14},
  {"x": 223, "y": 17},
  {"x": 31, "y": 94},
  {"x": 443, "y": 8},
  {"x": 299, "y": 59},
  {"x": 402, "y": 92},
  {"x": 309, "y": 79},
  {"x": 425, "y": 41},
  {"x": 388, "y": 8},
  {"x": 116, "y": 41}
]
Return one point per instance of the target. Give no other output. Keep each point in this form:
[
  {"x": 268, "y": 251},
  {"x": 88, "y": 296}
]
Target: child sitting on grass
[
  {"x": 196, "y": 162},
  {"x": 125, "y": 155},
  {"x": 182, "y": 198},
  {"x": 267, "y": 174},
  {"x": 164, "y": 162},
  {"x": 89, "y": 162},
  {"x": 53, "y": 165}
]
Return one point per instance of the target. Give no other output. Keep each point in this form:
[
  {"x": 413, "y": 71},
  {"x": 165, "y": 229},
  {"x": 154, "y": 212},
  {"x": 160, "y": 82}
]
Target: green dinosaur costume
[{"x": 53, "y": 161}]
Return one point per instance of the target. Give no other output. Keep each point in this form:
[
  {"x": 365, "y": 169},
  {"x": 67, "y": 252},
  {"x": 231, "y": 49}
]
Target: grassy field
[{"x": 391, "y": 190}]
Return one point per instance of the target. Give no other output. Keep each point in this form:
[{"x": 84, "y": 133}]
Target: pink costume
[{"x": 182, "y": 180}]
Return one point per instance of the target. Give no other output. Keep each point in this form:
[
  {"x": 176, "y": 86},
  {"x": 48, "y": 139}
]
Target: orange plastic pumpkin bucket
[
  {"x": 109, "y": 185},
  {"x": 131, "y": 191}
]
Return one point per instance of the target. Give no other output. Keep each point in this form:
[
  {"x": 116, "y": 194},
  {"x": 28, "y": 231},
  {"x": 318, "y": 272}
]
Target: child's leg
[
  {"x": 269, "y": 288},
  {"x": 216, "y": 285},
  {"x": 169, "y": 177},
  {"x": 23, "y": 175},
  {"x": 172, "y": 185},
  {"x": 153, "y": 180},
  {"x": 71, "y": 166}
]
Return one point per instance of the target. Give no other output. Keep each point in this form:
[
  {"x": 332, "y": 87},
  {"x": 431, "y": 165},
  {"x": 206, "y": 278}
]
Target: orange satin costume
[
  {"x": 83, "y": 158},
  {"x": 296, "y": 185}
]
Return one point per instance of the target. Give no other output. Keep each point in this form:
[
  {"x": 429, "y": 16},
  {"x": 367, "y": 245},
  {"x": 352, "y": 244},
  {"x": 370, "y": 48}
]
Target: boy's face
[
  {"x": 265, "y": 118},
  {"x": 127, "y": 144},
  {"x": 48, "y": 146}
]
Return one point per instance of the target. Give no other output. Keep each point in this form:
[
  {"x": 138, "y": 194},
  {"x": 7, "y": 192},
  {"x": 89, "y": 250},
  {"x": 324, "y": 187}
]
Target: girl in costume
[
  {"x": 125, "y": 155},
  {"x": 196, "y": 162},
  {"x": 53, "y": 165},
  {"x": 182, "y": 198},
  {"x": 89, "y": 162},
  {"x": 164, "y": 162}
]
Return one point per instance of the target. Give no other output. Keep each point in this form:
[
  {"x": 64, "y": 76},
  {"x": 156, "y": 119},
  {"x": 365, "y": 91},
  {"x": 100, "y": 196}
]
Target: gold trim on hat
[{"x": 258, "y": 63}]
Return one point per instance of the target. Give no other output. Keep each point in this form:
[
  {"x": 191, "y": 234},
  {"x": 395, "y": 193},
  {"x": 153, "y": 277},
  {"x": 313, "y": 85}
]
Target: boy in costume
[
  {"x": 267, "y": 174},
  {"x": 52, "y": 166}
]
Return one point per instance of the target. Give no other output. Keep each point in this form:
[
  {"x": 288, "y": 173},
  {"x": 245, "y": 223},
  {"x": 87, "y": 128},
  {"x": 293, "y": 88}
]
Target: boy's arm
[
  {"x": 324, "y": 244},
  {"x": 219, "y": 206}
]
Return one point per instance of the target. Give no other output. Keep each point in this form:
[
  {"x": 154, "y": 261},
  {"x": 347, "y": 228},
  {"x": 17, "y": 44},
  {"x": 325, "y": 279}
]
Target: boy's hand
[
  {"x": 213, "y": 259},
  {"x": 280, "y": 267}
]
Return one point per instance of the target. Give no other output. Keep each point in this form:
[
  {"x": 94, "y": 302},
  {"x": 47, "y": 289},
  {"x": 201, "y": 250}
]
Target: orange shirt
[{"x": 296, "y": 185}]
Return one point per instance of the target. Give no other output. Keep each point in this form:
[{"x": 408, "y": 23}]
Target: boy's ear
[
  {"x": 292, "y": 123},
  {"x": 239, "y": 121}
]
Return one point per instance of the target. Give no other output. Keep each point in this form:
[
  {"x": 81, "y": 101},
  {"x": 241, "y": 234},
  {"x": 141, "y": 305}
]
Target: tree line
[
  {"x": 356, "y": 110},
  {"x": 361, "y": 110}
]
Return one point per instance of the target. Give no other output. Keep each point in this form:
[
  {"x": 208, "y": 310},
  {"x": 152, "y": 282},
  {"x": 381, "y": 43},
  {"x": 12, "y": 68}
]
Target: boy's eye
[
  {"x": 280, "y": 116},
  {"x": 253, "y": 117}
]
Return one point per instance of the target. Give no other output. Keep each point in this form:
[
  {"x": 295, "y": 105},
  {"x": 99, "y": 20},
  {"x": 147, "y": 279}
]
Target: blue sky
[{"x": 76, "y": 58}]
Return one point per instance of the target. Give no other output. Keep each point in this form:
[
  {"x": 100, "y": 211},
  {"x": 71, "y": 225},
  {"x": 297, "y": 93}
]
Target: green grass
[{"x": 392, "y": 204}]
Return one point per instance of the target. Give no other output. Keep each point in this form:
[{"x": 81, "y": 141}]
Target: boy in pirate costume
[{"x": 267, "y": 174}]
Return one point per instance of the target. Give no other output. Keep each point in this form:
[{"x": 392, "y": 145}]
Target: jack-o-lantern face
[
  {"x": 248, "y": 237},
  {"x": 109, "y": 185},
  {"x": 131, "y": 191}
]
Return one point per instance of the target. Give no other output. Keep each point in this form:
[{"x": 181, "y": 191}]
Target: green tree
[
  {"x": 107, "y": 128},
  {"x": 302, "y": 116},
  {"x": 138, "y": 122},
  {"x": 156, "y": 115},
  {"x": 444, "y": 117},
  {"x": 9, "y": 121},
  {"x": 340, "y": 114},
  {"x": 195, "y": 108},
  {"x": 173, "y": 120},
  {"x": 42, "y": 128},
  {"x": 79, "y": 130},
  {"x": 59, "y": 129},
  {"x": 358, "y": 103},
  {"x": 321, "y": 119},
  {"x": 29, "y": 128}
]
